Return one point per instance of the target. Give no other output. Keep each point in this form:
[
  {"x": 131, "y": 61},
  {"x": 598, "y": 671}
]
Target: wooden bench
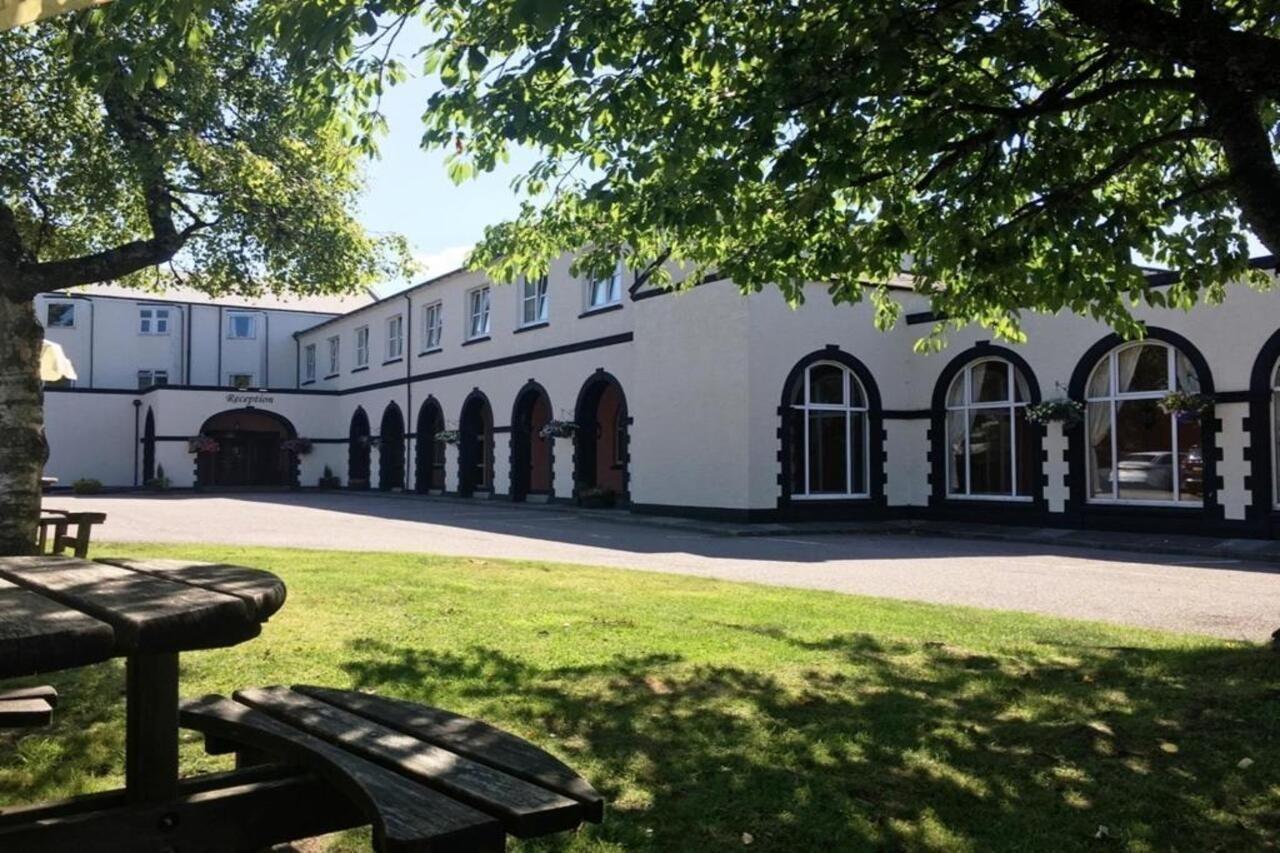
[
  {"x": 423, "y": 777},
  {"x": 27, "y": 706},
  {"x": 53, "y": 537}
]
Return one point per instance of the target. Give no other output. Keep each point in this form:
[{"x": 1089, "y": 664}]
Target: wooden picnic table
[{"x": 311, "y": 760}]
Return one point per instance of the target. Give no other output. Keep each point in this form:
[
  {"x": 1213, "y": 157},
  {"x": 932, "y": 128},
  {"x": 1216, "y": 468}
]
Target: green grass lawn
[{"x": 715, "y": 715}]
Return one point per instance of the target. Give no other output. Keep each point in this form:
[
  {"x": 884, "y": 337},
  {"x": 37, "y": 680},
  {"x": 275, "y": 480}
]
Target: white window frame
[
  {"x": 151, "y": 377},
  {"x": 1011, "y": 404},
  {"x": 1113, "y": 398},
  {"x": 612, "y": 289},
  {"x": 479, "y": 311},
  {"x": 395, "y": 337},
  {"x": 362, "y": 346},
  {"x": 335, "y": 355},
  {"x": 68, "y": 303},
  {"x": 534, "y": 301},
  {"x": 149, "y": 319},
  {"x": 232, "y": 316},
  {"x": 432, "y": 325},
  {"x": 309, "y": 363},
  {"x": 849, "y": 410},
  {"x": 1275, "y": 435},
  {"x": 248, "y": 386}
]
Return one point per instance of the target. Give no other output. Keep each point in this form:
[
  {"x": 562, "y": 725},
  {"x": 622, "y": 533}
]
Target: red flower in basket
[{"x": 202, "y": 444}]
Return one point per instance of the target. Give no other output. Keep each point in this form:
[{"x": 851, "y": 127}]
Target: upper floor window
[
  {"x": 335, "y": 353},
  {"x": 478, "y": 313},
  {"x": 240, "y": 380},
  {"x": 988, "y": 438},
  {"x": 606, "y": 290},
  {"x": 829, "y": 434},
  {"x": 309, "y": 363},
  {"x": 147, "y": 378},
  {"x": 60, "y": 315},
  {"x": 533, "y": 301},
  {"x": 242, "y": 326},
  {"x": 432, "y": 325},
  {"x": 153, "y": 321},
  {"x": 395, "y": 336},
  {"x": 1136, "y": 451},
  {"x": 362, "y": 346}
]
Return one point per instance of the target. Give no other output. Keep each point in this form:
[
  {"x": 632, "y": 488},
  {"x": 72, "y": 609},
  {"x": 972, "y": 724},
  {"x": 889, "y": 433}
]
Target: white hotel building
[{"x": 702, "y": 403}]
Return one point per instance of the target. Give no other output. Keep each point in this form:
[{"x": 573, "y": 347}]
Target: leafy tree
[
  {"x": 146, "y": 142},
  {"x": 1018, "y": 155}
]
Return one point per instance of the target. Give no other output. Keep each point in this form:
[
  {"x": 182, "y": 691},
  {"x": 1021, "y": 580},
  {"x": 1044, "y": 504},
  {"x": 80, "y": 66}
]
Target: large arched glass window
[
  {"x": 828, "y": 434},
  {"x": 1136, "y": 452},
  {"x": 988, "y": 440}
]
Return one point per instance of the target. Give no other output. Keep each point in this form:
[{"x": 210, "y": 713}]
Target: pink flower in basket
[{"x": 202, "y": 444}]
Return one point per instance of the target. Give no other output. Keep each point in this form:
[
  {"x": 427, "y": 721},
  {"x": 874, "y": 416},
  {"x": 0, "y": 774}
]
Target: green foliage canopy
[{"x": 1017, "y": 155}]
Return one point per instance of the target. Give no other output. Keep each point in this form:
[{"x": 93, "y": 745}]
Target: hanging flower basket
[
  {"x": 1065, "y": 411},
  {"x": 296, "y": 446},
  {"x": 202, "y": 444},
  {"x": 448, "y": 436},
  {"x": 1184, "y": 404},
  {"x": 558, "y": 429}
]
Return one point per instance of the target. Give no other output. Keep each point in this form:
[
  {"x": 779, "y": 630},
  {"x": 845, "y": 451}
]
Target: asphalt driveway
[{"x": 1223, "y": 597}]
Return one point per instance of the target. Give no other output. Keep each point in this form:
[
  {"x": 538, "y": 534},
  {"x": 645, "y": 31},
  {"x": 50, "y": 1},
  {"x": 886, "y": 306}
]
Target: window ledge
[
  {"x": 307, "y": 382},
  {"x": 359, "y": 369},
  {"x": 478, "y": 340},
  {"x": 602, "y": 309},
  {"x": 529, "y": 327},
  {"x": 333, "y": 376},
  {"x": 431, "y": 351},
  {"x": 396, "y": 360}
]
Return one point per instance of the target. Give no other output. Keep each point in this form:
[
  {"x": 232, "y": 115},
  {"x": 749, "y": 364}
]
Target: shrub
[
  {"x": 159, "y": 483},
  {"x": 86, "y": 486}
]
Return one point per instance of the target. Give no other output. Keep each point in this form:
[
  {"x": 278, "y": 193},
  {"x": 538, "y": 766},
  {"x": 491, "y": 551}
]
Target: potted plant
[
  {"x": 202, "y": 444},
  {"x": 597, "y": 497},
  {"x": 328, "y": 480},
  {"x": 448, "y": 436},
  {"x": 558, "y": 429},
  {"x": 296, "y": 446},
  {"x": 1061, "y": 409},
  {"x": 87, "y": 486},
  {"x": 160, "y": 483},
  {"x": 1184, "y": 405}
]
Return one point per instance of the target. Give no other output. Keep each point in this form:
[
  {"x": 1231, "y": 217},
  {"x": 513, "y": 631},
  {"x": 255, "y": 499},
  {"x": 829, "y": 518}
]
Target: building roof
[{"x": 313, "y": 304}]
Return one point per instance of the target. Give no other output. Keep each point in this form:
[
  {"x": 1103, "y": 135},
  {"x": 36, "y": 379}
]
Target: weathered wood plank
[
  {"x": 262, "y": 591},
  {"x": 38, "y": 635},
  {"x": 42, "y": 691},
  {"x": 244, "y": 811},
  {"x": 525, "y": 809},
  {"x": 24, "y": 713},
  {"x": 147, "y": 614},
  {"x": 405, "y": 816},
  {"x": 470, "y": 738}
]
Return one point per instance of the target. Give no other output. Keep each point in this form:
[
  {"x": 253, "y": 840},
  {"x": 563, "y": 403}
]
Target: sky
[{"x": 409, "y": 192}]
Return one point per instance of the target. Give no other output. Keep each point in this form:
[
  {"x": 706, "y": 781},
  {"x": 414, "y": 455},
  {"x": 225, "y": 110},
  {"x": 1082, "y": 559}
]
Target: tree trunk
[{"x": 22, "y": 447}]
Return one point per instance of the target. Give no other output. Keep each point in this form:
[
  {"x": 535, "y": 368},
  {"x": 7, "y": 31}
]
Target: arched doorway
[
  {"x": 149, "y": 448},
  {"x": 530, "y": 452},
  {"x": 601, "y": 443},
  {"x": 358, "y": 451},
  {"x": 475, "y": 446},
  {"x": 428, "y": 451},
  {"x": 249, "y": 451},
  {"x": 391, "y": 449}
]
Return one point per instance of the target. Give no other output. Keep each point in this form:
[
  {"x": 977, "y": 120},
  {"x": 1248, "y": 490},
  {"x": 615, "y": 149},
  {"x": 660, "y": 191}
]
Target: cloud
[{"x": 430, "y": 265}]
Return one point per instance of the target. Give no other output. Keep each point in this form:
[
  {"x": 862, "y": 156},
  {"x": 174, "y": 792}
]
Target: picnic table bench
[
  {"x": 52, "y": 531},
  {"x": 310, "y": 760}
]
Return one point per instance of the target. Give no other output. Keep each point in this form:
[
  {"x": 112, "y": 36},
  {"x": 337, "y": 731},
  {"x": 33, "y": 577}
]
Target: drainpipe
[
  {"x": 137, "y": 407},
  {"x": 93, "y": 316},
  {"x": 217, "y": 380},
  {"x": 266, "y": 349},
  {"x": 187, "y": 313},
  {"x": 408, "y": 389}
]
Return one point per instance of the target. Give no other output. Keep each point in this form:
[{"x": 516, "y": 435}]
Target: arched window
[
  {"x": 1136, "y": 452},
  {"x": 829, "y": 434},
  {"x": 988, "y": 438}
]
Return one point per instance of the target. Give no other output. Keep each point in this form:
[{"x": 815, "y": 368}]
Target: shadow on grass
[{"x": 891, "y": 745}]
